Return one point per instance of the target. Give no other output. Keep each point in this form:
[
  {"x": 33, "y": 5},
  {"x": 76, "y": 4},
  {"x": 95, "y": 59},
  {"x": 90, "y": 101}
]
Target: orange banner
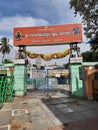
[{"x": 48, "y": 35}]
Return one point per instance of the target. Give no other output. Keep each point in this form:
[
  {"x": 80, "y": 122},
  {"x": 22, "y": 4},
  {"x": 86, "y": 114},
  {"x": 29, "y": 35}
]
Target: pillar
[
  {"x": 20, "y": 77},
  {"x": 76, "y": 85}
]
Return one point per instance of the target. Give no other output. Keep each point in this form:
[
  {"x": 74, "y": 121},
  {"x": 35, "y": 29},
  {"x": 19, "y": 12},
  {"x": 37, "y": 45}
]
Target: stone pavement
[{"x": 46, "y": 113}]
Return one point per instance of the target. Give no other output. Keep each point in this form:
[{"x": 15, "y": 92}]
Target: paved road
[{"x": 49, "y": 113}]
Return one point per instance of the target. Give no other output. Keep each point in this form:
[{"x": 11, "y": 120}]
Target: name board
[{"x": 48, "y": 35}]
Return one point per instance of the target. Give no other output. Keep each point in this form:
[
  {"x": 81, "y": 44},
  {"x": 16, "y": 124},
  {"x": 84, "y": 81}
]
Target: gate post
[
  {"x": 76, "y": 85},
  {"x": 20, "y": 77}
]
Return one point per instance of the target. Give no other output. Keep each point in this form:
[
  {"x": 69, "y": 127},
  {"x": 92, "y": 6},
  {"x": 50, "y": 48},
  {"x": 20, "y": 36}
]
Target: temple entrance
[{"x": 47, "y": 80}]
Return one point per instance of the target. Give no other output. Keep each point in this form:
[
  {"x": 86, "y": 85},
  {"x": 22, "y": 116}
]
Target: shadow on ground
[{"x": 74, "y": 114}]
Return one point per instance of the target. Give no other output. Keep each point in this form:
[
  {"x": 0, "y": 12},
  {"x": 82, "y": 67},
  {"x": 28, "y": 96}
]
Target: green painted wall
[{"x": 76, "y": 85}]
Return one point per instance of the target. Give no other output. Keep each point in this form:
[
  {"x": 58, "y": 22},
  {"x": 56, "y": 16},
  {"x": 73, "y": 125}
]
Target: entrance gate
[
  {"x": 50, "y": 82},
  {"x": 47, "y": 35},
  {"x": 38, "y": 78}
]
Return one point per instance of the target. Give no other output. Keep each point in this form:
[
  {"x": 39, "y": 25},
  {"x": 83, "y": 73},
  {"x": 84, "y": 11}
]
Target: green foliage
[
  {"x": 87, "y": 56},
  {"x": 7, "y": 61},
  {"x": 88, "y": 10},
  {"x": 5, "y": 47},
  {"x": 94, "y": 47},
  {"x": 90, "y": 56}
]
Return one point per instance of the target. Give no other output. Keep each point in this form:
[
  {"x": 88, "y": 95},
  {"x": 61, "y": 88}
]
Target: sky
[{"x": 29, "y": 13}]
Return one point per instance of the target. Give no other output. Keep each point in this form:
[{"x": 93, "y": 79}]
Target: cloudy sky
[{"x": 28, "y": 13}]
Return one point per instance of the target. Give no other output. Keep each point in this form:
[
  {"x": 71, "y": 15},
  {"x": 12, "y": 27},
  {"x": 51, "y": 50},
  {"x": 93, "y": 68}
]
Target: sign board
[{"x": 48, "y": 35}]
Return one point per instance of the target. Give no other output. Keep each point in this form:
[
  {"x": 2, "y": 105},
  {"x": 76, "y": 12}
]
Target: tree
[
  {"x": 5, "y": 47},
  {"x": 90, "y": 56},
  {"x": 88, "y": 10},
  {"x": 87, "y": 56}
]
